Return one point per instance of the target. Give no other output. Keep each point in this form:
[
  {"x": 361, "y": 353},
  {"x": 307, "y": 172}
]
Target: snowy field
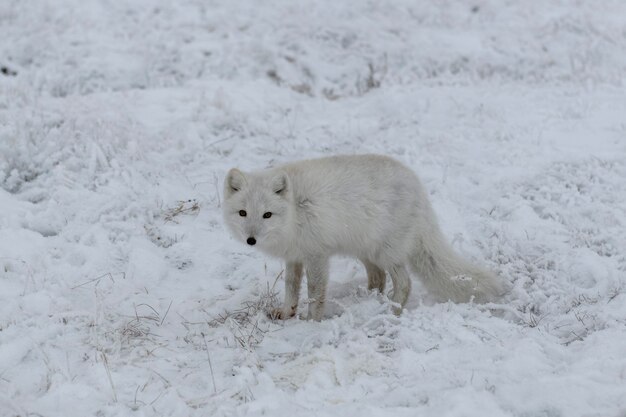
[{"x": 122, "y": 294}]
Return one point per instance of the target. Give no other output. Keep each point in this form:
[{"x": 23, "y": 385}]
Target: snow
[{"x": 121, "y": 292}]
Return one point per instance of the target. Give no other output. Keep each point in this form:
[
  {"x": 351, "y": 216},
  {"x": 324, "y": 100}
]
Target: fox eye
[
  {"x": 243, "y": 213},
  {"x": 267, "y": 215}
]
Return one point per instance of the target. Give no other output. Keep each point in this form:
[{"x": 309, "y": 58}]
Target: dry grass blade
[
  {"x": 208, "y": 354},
  {"x": 244, "y": 322},
  {"x": 182, "y": 207},
  {"x": 98, "y": 278},
  {"x": 105, "y": 362},
  {"x": 166, "y": 312}
]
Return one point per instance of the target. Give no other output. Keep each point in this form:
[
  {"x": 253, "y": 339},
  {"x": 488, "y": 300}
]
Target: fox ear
[
  {"x": 235, "y": 180},
  {"x": 280, "y": 184}
]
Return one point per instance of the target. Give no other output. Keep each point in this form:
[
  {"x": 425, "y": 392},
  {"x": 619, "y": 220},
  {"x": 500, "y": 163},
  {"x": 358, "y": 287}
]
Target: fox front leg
[
  {"x": 293, "y": 278},
  {"x": 317, "y": 278}
]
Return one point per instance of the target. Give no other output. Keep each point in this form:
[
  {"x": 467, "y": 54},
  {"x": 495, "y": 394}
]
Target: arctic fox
[{"x": 370, "y": 207}]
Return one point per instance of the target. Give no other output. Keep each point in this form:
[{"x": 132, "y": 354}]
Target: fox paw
[{"x": 280, "y": 314}]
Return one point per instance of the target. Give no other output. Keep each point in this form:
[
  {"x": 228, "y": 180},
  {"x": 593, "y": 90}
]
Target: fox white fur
[{"x": 370, "y": 207}]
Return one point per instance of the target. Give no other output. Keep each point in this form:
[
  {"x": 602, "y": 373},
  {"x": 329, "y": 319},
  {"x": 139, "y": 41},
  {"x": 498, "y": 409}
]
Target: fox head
[{"x": 258, "y": 208}]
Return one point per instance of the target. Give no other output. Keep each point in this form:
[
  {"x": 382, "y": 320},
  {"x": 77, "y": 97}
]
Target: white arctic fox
[{"x": 370, "y": 207}]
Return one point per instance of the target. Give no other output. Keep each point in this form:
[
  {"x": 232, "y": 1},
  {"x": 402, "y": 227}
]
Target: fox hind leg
[
  {"x": 401, "y": 286},
  {"x": 375, "y": 276}
]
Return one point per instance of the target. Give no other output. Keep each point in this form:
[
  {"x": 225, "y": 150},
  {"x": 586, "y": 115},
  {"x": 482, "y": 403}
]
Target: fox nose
[{"x": 251, "y": 241}]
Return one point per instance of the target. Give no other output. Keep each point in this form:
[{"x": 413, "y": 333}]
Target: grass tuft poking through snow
[{"x": 247, "y": 322}]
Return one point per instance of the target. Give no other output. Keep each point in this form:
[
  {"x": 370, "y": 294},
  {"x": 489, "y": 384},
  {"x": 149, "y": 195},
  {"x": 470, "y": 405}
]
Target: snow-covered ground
[{"x": 121, "y": 293}]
